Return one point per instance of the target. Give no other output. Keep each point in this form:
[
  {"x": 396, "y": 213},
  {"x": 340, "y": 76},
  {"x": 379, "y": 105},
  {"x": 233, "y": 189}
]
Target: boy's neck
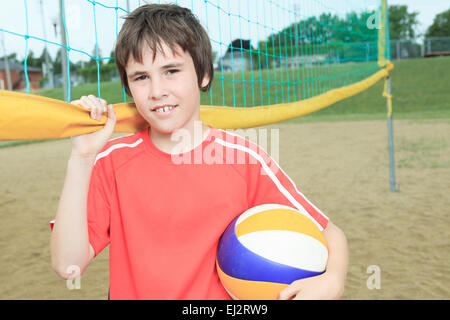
[{"x": 181, "y": 140}]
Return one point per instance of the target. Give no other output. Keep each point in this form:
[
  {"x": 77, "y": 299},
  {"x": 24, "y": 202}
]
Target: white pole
[
  {"x": 48, "y": 66},
  {"x": 5, "y": 59},
  {"x": 63, "y": 51}
]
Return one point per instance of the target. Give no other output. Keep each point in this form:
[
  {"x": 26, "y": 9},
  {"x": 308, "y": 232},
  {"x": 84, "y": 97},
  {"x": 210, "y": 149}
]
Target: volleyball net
[{"x": 274, "y": 61}]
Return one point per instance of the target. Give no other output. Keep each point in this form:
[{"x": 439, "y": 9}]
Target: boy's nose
[{"x": 158, "y": 90}]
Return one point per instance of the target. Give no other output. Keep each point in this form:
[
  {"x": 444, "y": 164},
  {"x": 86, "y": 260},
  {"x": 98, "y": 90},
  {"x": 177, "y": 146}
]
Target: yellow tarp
[{"x": 29, "y": 117}]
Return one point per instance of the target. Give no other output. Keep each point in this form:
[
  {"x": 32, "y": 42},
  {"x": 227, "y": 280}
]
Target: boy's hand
[
  {"x": 321, "y": 287},
  {"x": 331, "y": 283},
  {"x": 89, "y": 145}
]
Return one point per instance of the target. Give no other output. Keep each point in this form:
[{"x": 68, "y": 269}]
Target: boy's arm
[
  {"x": 69, "y": 239},
  {"x": 69, "y": 243},
  {"x": 330, "y": 284}
]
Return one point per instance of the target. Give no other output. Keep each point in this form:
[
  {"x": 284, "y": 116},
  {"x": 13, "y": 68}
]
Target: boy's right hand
[{"x": 89, "y": 145}]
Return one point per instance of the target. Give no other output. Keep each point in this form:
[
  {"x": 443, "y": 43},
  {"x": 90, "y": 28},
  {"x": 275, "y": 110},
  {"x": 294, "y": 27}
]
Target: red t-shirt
[{"x": 163, "y": 214}]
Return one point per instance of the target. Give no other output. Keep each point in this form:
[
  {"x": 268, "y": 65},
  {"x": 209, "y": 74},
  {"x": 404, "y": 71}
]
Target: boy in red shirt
[{"x": 161, "y": 203}]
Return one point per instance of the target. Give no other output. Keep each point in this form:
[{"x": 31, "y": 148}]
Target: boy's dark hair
[{"x": 174, "y": 25}]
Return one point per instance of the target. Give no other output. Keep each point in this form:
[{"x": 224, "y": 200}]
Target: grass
[
  {"x": 12, "y": 143},
  {"x": 419, "y": 91}
]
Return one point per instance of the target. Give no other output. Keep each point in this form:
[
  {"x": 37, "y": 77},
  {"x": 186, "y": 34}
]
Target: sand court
[{"x": 341, "y": 167}]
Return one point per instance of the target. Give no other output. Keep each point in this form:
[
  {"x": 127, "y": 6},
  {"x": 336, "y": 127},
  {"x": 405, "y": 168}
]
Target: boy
[{"x": 162, "y": 218}]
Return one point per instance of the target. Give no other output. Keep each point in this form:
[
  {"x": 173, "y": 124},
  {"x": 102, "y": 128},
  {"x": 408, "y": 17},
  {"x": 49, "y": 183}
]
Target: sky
[
  {"x": 219, "y": 17},
  {"x": 427, "y": 9}
]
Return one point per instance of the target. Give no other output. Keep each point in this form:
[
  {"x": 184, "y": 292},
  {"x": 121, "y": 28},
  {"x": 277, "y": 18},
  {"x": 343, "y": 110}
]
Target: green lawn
[{"x": 419, "y": 91}]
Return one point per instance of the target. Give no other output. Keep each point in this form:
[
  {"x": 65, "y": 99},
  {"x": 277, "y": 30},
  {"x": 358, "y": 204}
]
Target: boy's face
[{"x": 170, "y": 81}]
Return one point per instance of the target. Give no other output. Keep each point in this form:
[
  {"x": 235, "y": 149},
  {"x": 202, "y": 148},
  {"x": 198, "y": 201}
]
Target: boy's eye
[
  {"x": 143, "y": 77},
  {"x": 171, "y": 71}
]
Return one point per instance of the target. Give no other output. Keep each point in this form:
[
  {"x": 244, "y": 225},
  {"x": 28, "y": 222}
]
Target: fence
[{"x": 417, "y": 48}]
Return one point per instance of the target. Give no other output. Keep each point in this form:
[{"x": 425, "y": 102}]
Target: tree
[
  {"x": 214, "y": 55},
  {"x": 42, "y": 57},
  {"x": 13, "y": 57},
  {"x": 111, "y": 61},
  {"x": 402, "y": 24},
  {"x": 440, "y": 26},
  {"x": 57, "y": 62},
  {"x": 326, "y": 34},
  {"x": 93, "y": 62},
  {"x": 57, "y": 67},
  {"x": 32, "y": 61}
]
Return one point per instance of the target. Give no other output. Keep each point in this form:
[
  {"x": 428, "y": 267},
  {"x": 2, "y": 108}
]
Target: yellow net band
[
  {"x": 28, "y": 117},
  {"x": 388, "y": 96}
]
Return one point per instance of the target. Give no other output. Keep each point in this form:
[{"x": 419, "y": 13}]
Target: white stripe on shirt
[
  {"x": 117, "y": 146},
  {"x": 292, "y": 182},
  {"x": 275, "y": 180}
]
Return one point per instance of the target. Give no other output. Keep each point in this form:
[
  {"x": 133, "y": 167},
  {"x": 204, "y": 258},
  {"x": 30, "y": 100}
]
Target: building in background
[
  {"x": 18, "y": 80},
  {"x": 237, "y": 56}
]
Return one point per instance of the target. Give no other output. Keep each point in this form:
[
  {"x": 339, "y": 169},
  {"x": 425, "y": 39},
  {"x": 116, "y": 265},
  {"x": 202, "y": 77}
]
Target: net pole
[{"x": 395, "y": 187}]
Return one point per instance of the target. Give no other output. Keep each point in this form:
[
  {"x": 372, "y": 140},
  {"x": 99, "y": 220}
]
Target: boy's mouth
[{"x": 164, "y": 109}]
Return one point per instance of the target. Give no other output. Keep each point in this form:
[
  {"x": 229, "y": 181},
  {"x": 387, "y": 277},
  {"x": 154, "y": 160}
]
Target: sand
[{"x": 342, "y": 167}]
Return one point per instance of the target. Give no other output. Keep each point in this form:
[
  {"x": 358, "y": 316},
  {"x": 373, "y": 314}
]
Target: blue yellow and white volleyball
[{"x": 266, "y": 248}]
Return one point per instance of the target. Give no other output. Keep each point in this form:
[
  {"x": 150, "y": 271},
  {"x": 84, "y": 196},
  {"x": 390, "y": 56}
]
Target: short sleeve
[
  {"x": 99, "y": 208},
  {"x": 270, "y": 184}
]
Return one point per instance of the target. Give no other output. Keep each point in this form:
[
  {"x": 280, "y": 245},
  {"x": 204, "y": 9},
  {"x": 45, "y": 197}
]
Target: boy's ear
[{"x": 205, "y": 81}]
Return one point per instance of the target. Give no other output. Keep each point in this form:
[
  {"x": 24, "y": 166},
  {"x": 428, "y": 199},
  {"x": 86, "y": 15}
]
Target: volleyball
[{"x": 266, "y": 248}]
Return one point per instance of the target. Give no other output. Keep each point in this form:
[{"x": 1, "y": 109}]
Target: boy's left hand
[{"x": 321, "y": 287}]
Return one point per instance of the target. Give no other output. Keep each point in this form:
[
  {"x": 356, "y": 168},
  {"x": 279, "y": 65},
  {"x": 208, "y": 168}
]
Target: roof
[{"x": 16, "y": 66}]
